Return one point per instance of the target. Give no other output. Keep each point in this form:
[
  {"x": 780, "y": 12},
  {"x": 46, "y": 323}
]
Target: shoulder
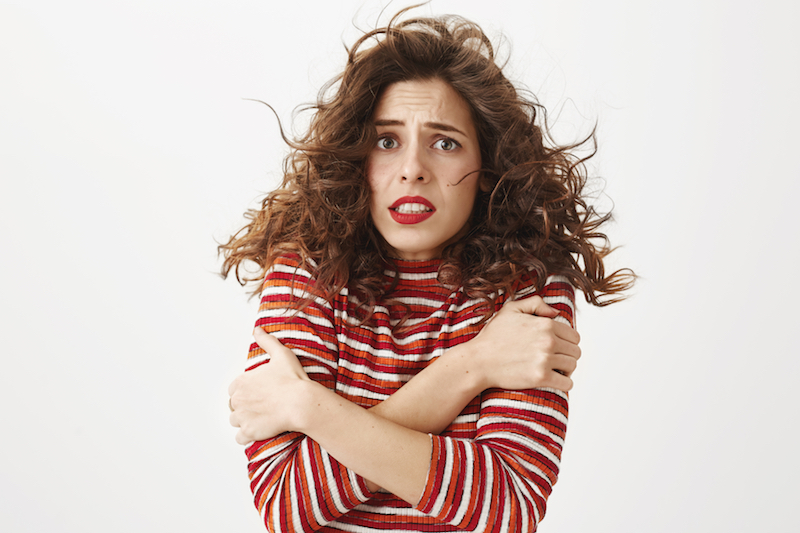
[
  {"x": 557, "y": 292},
  {"x": 288, "y": 268},
  {"x": 558, "y": 288},
  {"x": 290, "y": 278}
]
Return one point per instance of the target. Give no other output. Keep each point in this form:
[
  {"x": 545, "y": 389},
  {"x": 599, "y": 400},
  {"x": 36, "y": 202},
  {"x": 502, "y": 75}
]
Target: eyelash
[
  {"x": 455, "y": 143},
  {"x": 449, "y": 140},
  {"x": 384, "y": 138}
]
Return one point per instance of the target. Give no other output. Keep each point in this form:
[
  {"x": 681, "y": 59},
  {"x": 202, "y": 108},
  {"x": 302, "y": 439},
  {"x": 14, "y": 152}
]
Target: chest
[{"x": 404, "y": 335}]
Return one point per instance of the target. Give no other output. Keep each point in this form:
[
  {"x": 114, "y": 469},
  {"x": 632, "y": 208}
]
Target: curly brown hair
[{"x": 531, "y": 213}]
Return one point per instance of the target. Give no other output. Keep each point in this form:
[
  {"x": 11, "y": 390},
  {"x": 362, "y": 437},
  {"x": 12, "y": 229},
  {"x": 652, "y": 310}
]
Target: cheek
[
  {"x": 469, "y": 195},
  {"x": 378, "y": 181},
  {"x": 373, "y": 177},
  {"x": 374, "y": 193},
  {"x": 370, "y": 182}
]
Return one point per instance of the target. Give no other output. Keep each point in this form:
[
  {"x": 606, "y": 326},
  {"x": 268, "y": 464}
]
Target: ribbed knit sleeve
[
  {"x": 297, "y": 486},
  {"x": 500, "y": 481}
]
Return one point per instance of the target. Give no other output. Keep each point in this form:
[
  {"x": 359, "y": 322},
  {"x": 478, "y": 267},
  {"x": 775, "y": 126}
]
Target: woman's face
[{"x": 427, "y": 144}]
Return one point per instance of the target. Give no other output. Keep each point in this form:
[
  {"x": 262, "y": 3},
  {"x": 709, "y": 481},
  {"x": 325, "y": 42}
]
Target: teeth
[{"x": 411, "y": 208}]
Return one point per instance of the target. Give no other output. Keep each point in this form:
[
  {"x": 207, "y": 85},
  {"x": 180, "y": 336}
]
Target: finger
[
  {"x": 534, "y": 306},
  {"x": 564, "y": 364},
  {"x": 234, "y": 419},
  {"x": 561, "y": 382},
  {"x": 567, "y": 348},
  {"x": 566, "y": 333},
  {"x": 232, "y": 387},
  {"x": 557, "y": 379},
  {"x": 241, "y": 438},
  {"x": 262, "y": 336},
  {"x": 270, "y": 343}
]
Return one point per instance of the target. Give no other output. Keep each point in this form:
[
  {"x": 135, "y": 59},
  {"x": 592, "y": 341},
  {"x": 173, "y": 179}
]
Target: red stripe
[{"x": 380, "y": 365}]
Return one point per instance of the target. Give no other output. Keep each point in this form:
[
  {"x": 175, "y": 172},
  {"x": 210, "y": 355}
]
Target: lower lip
[{"x": 410, "y": 218}]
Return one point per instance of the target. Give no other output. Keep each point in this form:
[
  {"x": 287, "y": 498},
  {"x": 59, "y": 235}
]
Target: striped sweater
[{"x": 492, "y": 469}]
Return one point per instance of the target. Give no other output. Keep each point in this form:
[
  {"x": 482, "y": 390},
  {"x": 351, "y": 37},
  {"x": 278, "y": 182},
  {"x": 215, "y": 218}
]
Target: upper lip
[{"x": 412, "y": 200}]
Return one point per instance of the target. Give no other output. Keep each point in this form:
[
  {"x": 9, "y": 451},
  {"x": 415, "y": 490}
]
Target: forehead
[{"x": 430, "y": 100}]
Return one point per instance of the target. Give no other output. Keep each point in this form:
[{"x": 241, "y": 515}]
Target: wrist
[
  {"x": 465, "y": 365},
  {"x": 309, "y": 397}
]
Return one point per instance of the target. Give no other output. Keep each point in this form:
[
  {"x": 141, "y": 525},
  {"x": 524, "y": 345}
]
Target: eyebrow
[{"x": 433, "y": 125}]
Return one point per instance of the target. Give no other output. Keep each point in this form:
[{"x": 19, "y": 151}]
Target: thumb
[
  {"x": 267, "y": 342},
  {"x": 535, "y": 306},
  {"x": 279, "y": 353}
]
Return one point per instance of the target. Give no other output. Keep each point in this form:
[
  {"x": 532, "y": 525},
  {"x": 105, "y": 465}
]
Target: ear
[{"x": 485, "y": 183}]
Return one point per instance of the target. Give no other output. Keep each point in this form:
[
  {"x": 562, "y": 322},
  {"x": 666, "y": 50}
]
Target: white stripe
[
  {"x": 276, "y": 456},
  {"x": 488, "y": 480},
  {"x": 308, "y": 475},
  {"x": 521, "y": 487},
  {"x": 447, "y": 475},
  {"x": 468, "y": 489},
  {"x": 523, "y": 495},
  {"x": 505, "y": 521},
  {"x": 288, "y": 312},
  {"x": 291, "y": 335},
  {"x": 384, "y": 334},
  {"x": 531, "y": 427},
  {"x": 298, "y": 279},
  {"x": 413, "y": 276},
  {"x": 526, "y": 442},
  {"x": 260, "y": 358},
  {"x": 521, "y": 406},
  {"x": 327, "y": 465}
]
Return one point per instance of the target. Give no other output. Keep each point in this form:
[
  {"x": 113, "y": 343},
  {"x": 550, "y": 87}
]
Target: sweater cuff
[
  {"x": 431, "y": 496},
  {"x": 359, "y": 484}
]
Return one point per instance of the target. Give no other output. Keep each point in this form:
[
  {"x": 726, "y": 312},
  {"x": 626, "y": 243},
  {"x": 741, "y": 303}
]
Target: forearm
[
  {"x": 392, "y": 456},
  {"x": 292, "y": 478},
  {"x": 432, "y": 399},
  {"x": 523, "y": 350},
  {"x": 507, "y": 471}
]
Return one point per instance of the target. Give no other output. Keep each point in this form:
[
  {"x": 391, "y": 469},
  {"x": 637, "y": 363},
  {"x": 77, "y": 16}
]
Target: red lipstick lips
[{"x": 415, "y": 215}]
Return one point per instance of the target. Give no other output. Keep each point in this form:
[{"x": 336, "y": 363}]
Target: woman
[{"x": 418, "y": 266}]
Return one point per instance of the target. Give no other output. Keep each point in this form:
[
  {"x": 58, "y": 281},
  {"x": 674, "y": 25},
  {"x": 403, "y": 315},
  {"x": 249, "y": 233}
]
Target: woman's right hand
[{"x": 522, "y": 347}]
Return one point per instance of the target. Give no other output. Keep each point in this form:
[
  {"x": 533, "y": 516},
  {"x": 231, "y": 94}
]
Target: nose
[{"x": 414, "y": 167}]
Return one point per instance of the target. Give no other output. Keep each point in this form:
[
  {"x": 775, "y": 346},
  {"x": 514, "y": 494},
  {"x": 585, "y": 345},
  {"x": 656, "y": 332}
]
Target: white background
[{"x": 127, "y": 148}]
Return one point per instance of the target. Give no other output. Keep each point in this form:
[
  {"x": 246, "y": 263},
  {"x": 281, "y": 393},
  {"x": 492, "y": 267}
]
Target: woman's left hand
[{"x": 263, "y": 400}]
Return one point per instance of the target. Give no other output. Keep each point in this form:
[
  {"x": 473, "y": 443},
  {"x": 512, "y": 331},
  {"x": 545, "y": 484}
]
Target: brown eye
[
  {"x": 387, "y": 143},
  {"x": 446, "y": 144}
]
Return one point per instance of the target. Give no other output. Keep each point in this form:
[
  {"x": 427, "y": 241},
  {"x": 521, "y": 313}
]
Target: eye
[
  {"x": 447, "y": 144},
  {"x": 387, "y": 143}
]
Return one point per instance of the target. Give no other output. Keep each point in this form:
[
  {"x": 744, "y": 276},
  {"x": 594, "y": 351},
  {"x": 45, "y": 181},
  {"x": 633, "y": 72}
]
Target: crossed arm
[{"x": 521, "y": 348}]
